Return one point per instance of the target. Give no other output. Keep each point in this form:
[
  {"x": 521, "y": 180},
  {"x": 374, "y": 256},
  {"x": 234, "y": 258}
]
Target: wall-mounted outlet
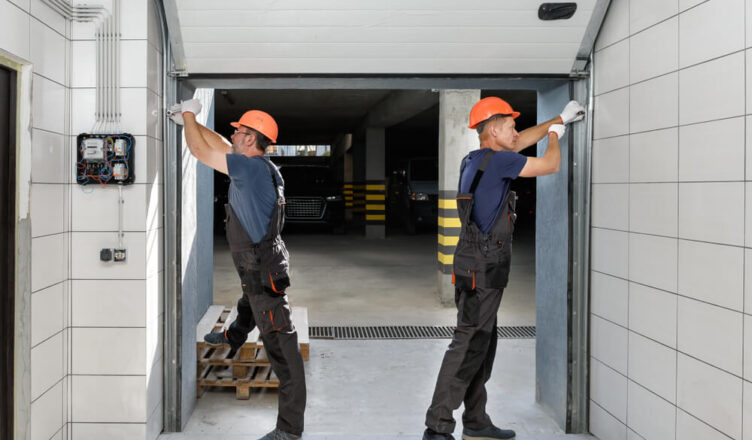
[{"x": 119, "y": 254}]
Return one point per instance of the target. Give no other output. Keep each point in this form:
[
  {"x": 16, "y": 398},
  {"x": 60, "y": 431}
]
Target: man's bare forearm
[
  {"x": 533, "y": 135},
  {"x": 214, "y": 139}
]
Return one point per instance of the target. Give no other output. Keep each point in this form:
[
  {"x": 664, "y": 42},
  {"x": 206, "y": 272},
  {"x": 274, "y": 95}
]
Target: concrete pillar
[
  {"x": 455, "y": 141},
  {"x": 375, "y": 188}
]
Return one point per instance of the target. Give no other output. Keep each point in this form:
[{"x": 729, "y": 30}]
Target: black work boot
[
  {"x": 489, "y": 433},
  {"x": 430, "y": 434},
  {"x": 278, "y": 434},
  {"x": 218, "y": 339}
]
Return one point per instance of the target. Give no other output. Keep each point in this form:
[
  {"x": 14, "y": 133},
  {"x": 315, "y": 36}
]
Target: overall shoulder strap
[{"x": 482, "y": 169}]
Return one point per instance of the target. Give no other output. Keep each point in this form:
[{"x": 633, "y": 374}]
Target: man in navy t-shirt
[{"x": 469, "y": 359}]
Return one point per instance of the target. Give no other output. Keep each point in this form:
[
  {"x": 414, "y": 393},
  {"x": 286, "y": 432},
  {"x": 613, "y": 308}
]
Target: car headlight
[
  {"x": 419, "y": 196},
  {"x": 334, "y": 198}
]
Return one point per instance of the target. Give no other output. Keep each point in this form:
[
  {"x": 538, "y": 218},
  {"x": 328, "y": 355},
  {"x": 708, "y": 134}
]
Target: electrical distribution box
[{"x": 105, "y": 159}]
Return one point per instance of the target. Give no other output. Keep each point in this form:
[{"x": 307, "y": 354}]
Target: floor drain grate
[{"x": 408, "y": 332}]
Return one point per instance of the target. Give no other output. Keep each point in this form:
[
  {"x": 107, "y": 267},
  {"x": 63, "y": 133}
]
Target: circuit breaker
[{"x": 105, "y": 159}]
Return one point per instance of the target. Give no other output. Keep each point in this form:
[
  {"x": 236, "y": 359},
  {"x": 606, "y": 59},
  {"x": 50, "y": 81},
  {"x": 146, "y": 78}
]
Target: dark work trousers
[
  {"x": 467, "y": 362},
  {"x": 271, "y": 313}
]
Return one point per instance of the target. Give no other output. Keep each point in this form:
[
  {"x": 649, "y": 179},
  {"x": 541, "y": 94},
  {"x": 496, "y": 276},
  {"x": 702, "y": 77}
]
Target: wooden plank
[{"x": 206, "y": 324}]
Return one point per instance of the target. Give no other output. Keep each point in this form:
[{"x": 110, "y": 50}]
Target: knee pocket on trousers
[
  {"x": 475, "y": 355},
  {"x": 275, "y": 318}
]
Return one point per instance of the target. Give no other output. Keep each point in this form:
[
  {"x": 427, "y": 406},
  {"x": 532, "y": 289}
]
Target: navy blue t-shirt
[
  {"x": 252, "y": 193},
  {"x": 493, "y": 186}
]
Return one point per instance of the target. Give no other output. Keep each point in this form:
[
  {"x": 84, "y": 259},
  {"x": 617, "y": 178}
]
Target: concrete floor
[{"x": 378, "y": 390}]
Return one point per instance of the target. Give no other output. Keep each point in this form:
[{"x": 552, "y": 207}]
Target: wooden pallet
[{"x": 250, "y": 367}]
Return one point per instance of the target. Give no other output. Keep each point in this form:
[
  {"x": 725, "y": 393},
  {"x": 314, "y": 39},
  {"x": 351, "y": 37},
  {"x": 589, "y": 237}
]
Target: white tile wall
[
  {"x": 47, "y": 202},
  {"x": 747, "y": 348},
  {"x": 747, "y": 411},
  {"x": 48, "y": 255},
  {"x": 49, "y": 154},
  {"x": 14, "y": 30},
  {"x": 48, "y": 105},
  {"x": 134, "y": 12},
  {"x": 48, "y": 51},
  {"x": 86, "y": 264},
  {"x": 23, "y": 4},
  {"x": 713, "y": 151},
  {"x": 47, "y": 313},
  {"x": 653, "y": 261},
  {"x": 84, "y": 70},
  {"x": 134, "y": 58},
  {"x": 748, "y": 214},
  {"x": 712, "y": 212},
  {"x": 650, "y": 416},
  {"x": 712, "y": 273},
  {"x": 748, "y": 280},
  {"x": 691, "y": 428},
  {"x": 654, "y": 51},
  {"x": 611, "y": 160},
  {"x": 608, "y": 389},
  {"x": 686, "y": 4},
  {"x": 104, "y": 201},
  {"x": 652, "y": 313},
  {"x": 652, "y": 208},
  {"x": 111, "y": 399},
  {"x": 47, "y": 414},
  {"x": 712, "y": 29},
  {"x": 615, "y": 26},
  {"x": 110, "y": 431},
  {"x": 154, "y": 425},
  {"x": 748, "y": 172},
  {"x": 609, "y": 252},
  {"x": 108, "y": 303},
  {"x": 46, "y": 365},
  {"x": 48, "y": 16},
  {"x": 711, "y": 90},
  {"x": 653, "y": 156},
  {"x": 609, "y": 297},
  {"x": 604, "y": 425},
  {"x": 94, "y": 353},
  {"x": 653, "y": 104},
  {"x": 608, "y": 344},
  {"x": 612, "y": 118},
  {"x": 610, "y": 206},
  {"x": 710, "y": 394},
  {"x": 615, "y": 71},
  {"x": 702, "y": 326},
  {"x": 644, "y": 13},
  {"x": 653, "y": 366}
]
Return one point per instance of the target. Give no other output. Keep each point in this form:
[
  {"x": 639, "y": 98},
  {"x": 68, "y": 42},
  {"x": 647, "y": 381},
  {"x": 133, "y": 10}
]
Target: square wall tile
[
  {"x": 615, "y": 26},
  {"x": 649, "y": 415},
  {"x": 47, "y": 414},
  {"x": 109, "y": 431},
  {"x": 134, "y": 57},
  {"x": 653, "y": 261},
  {"x": 653, "y": 208},
  {"x": 712, "y": 273},
  {"x": 711, "y": 30},
  {"x": 14, "y": 30},
  {"x": 608, "y": 389},
  {"x": 702, "y": 326},
  {"x": 605, "y": 426},
  {"x": 610, "y": 206},
  {"x": 87, "y": 265},
  {"x": 136, "y": 111},
  {"x": 692, "y": 428},
  {"x": 48, "y": 105},
  {"x": 712, "y": 212},
  {"x": 654, "y": 103},
  {"x": 46, "y": 365},
  {"x": 710, "y": 90},
  {"x": 48, "y": 16},
  {"x": 47, "y": 213},
  {"x": 83, "y": 119},
  {"x": 110, "y": 399},
  {"x": 609, "y": 251},
  {"x": 652, "y": 313},
  {"x": 48, "y": 50},
  {"x": 84, "y": 66},
  {"x": 47, "y": 313},
  {"x": 747, "y": 348},
  {"x": 644, "y": 13},
  {"x": 609, "y": 297},
  {"x": 94, "y": 353},
  {"x": 153, "y": 27},
  {"x": 711, "y": 395},
  {"x": 611, "y": 67},
  {"x": 654, "y": 51},
  {"x": 611, "y": 116},
  {"x": 154, "y": 69},
  {"x": 653, "y": 366},
  {"x": 748, "y": 214},
  {"x": 134, "y": 12},
  {"x": 104, "y": 201},
  {"x": 108, "y": 303},
  {"x": 48, "y": 261},
  {"x": 713, "y": 151},
  {"x": 653, "y": 156},
  {"x": 608, "y": 344},
  {"x": 611, "y": 160},
  {"x": 49, "y": 157}
]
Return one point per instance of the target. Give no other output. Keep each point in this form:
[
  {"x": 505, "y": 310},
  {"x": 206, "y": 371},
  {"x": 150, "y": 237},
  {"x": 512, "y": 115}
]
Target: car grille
[{"x": 304, "y": 208}]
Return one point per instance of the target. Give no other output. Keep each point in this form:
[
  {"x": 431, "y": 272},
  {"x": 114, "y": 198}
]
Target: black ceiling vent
[{"x": 556, "y": 11}]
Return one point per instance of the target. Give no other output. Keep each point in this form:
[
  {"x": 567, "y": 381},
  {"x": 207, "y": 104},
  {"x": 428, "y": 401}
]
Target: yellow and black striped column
[
  {"x": 375, "y": 192},
  {"x": 359, "y": 198},
  {"x": 347, "y": 194},
  {"x": 449, "y": 229}
]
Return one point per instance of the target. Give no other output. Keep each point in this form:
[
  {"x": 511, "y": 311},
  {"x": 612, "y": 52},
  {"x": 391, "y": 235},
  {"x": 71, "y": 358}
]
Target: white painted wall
[
  {"x": 671, "y": 241},
  {"x": 96, "y": 332}
]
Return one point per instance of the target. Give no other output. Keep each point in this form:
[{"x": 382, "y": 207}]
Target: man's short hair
[
  {"x": 482, "y": 125},
  {"x": 262, "y": 141}
]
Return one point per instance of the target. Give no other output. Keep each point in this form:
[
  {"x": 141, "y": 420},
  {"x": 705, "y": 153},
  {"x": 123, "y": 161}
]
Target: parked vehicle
[
  {"x": 413, "y": 193},
  {"x": 313, "y": 196}
]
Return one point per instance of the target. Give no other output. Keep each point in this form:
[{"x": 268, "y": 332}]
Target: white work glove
[
  {"x": 573, "y": 112},
  {"x": 192, "y": 106},
  {"x": 175, "y": 113},
  {"x": 559, "y": 129}
]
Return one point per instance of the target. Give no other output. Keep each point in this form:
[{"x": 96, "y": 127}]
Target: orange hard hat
[
  {"x": 259, "y": 121},
  {"x": 487, "y": 107}
]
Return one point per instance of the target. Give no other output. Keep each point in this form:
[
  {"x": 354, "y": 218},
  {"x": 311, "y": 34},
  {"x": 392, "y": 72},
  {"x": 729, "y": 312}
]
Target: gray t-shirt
[{"x": 252, "y": 194}]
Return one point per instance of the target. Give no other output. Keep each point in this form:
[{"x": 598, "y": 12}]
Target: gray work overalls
[
  {"x": 263, "y": 270},
  {"x": 480, "y": 274}
]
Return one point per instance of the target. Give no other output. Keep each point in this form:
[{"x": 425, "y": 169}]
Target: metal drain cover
[{"x": 408, "y": 332}]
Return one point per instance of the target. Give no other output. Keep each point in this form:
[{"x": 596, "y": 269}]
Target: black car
[{"x": 313, "y": 196}]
